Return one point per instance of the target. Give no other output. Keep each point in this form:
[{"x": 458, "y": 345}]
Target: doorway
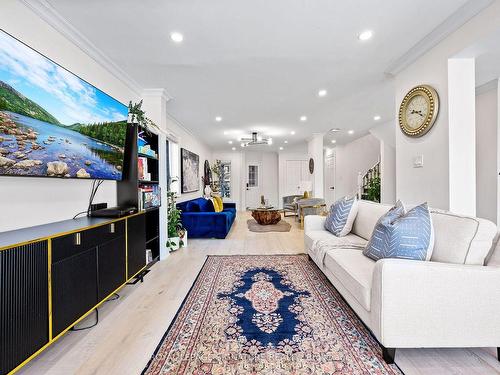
[
  {"x": 253, "y": 184},
  {"x": 330, "y": 179}
]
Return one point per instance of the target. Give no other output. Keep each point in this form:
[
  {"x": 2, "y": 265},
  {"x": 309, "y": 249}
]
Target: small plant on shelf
[
  {"x": 137, "y": 115},
  {"x": 175, "y": 229}
]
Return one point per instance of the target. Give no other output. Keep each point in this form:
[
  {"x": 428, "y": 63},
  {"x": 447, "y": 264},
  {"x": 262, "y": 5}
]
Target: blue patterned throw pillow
[
  {"x": 402, "y": 235},
  {"x": 341, "y": 217}
]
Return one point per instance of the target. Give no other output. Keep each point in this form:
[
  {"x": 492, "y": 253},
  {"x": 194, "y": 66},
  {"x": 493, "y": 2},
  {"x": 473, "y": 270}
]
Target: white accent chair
[{"x": 451, "y": 301}]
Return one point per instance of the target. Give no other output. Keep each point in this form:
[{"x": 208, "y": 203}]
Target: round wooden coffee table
[{"x": 266, "y": 216}]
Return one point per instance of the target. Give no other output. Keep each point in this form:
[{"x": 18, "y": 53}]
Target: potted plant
[
  {"x": 373, "y": 190},
  {"x": 175, "y": 230},
  {"x": 137, "y": 115}
]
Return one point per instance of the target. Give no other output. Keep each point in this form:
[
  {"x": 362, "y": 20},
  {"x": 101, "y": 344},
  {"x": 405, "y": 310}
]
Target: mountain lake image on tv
[{"x": 53, "y": 123}]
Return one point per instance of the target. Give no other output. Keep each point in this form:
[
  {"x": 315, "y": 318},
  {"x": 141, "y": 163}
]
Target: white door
[
  {"x": 253, "y": 184},
  {"x": 296, "y": 171},
  {"x": 329, "y": 180},
  {"x": 292, "y": 177}
]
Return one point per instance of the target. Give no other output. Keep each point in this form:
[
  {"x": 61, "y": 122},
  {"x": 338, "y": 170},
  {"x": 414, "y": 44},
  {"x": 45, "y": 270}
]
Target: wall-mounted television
[{"x": 53, "y": 123}]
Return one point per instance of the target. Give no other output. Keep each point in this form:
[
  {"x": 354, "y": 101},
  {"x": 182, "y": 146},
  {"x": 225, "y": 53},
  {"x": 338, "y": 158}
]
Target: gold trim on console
[
  {"x": 49, "y": 257},
  {"x": 60, "y": 234},
  {"x": 49, "y": 280}
]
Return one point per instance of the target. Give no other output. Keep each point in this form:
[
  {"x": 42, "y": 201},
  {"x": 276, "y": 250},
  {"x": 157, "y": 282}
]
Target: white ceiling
[{"x": 259, "y": 64}]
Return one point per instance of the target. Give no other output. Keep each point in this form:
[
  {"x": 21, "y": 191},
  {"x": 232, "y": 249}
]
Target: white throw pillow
[{"x": 342, "y": 215}]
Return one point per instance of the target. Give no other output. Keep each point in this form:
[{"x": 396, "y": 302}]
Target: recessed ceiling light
[
  {"x": 365, "y": 35},
  {"x": 226, "y": 132},
  {"x": 230, "y": 142},
  {"x": 334, "y": 141},
  {"x": 233, "y": 148},
  {"x": 322, "y": 93},
  {"x": 281, "y": 148},
  {"x": 351, "y": 132},
  {"x": 218, "y": 119},
  {"x": 376, "y": 117},
  {"x": 285, "y": 142},
  {"x": 303, "y": 118},
  {"x": 176, "y": 37},
  {"x": 292, "y": 132},
  {"x": 334, "y": 130}
]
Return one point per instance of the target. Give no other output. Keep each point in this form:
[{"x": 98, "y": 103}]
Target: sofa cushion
[
  {"x": 354, "y": 271},
  {"x": 192, "y": 206},
  {"x": 206, "y": 205},
  {"x": 461, "y": 239},
  {"x": 324, "y": 235},
  {"x": 402, "y": 235},
  {"x": 367, "y": 217},
  {"x": 341, "y": 216}
]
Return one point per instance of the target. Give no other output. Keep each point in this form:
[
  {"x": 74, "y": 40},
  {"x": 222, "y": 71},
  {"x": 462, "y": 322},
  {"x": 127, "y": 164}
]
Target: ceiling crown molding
[
  {"x": 157, "y": 93},
  {"x": 45, "y": 11},
  {"x": 488, "y": 86},
  {"x": 450, "y": 25}
]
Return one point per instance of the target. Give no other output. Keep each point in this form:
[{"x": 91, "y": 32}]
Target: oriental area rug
[{"x": 266, "y": 314}]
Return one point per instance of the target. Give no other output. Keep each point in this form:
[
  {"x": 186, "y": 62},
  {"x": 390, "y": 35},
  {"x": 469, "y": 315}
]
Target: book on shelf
[
  {"x": 149, "y": 256},
  {"x": 149, "y": 196},
  {"x": 146, "y": 150},
  {"x": 142, "y": 168}
]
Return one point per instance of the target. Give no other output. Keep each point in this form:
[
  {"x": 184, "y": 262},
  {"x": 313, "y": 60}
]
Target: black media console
[{"x": 54, "y": 275}]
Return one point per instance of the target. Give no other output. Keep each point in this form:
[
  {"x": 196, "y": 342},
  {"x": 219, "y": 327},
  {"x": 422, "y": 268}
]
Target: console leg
[
  {"x": 498, "y": 354},
  {"x": 309, "y": 258},
  {"x": 388, "y": 354}
]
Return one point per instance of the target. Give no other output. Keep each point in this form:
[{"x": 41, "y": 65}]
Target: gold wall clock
[{"x": 418, "y": 111}]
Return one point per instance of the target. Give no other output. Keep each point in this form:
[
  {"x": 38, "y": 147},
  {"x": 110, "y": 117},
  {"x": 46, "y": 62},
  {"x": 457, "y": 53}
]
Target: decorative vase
[
  {"x": 207, "y": 191},
  {"x": 173, "y": 243}
]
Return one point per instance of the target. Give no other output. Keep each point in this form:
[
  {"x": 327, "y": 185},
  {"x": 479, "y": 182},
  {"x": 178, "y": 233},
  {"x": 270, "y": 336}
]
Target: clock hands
[{"x": 416, "y": 112}]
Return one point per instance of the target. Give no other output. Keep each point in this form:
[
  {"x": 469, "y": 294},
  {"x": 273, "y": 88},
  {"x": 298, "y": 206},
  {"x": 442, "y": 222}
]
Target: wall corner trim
[
  {"x": 159, "y": 92},
  {"x": 488, "y": 86},
  {"x": 46, "y": 11},
  {"x": 443, "y": 30}
]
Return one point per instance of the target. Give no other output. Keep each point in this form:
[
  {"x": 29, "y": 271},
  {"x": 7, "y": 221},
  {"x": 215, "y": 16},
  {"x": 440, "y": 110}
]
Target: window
[
  {"x": 173, "y": 167},
  {"x": 253, "y": 176}
]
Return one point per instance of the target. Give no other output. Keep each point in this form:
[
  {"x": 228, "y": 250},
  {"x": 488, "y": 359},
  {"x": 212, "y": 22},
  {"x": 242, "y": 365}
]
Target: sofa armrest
[
  {"x": 314, "y": 222},
  {"x": 430, "y": 304}
]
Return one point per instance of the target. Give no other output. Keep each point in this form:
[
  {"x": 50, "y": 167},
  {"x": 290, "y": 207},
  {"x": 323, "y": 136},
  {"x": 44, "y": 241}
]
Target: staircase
[{"x": 369, "y": 184}]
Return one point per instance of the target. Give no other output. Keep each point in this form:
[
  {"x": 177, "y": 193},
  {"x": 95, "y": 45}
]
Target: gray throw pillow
[
  {"x": 402, "y": 235},
  {"x": 341, "y": 216}
]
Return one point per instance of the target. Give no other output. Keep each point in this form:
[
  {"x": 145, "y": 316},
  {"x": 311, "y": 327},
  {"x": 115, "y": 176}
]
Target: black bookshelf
[{"x": 128, "y": 187}]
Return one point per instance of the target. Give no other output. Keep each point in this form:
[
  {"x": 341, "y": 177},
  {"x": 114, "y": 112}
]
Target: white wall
[
  {"x": 315, "y": 151},
  {"x": 462, "y": 135},
  {"x": 27, "y": 201},
  {"x": 431, "y": 183},
  {"x": 386, "y": 134},
  {"x": 237, "y": 173},
  {"x": 352, "y": 158},
  {"x": 192, "y": 143},
  {"x": 486, "y": 154}
]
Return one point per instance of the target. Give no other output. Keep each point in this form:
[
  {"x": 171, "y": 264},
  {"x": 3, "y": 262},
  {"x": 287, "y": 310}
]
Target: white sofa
[{"x": 451, "y": 301}]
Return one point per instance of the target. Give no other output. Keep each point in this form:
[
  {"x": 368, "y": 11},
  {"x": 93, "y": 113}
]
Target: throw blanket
[{"x": 320, "y": 247}]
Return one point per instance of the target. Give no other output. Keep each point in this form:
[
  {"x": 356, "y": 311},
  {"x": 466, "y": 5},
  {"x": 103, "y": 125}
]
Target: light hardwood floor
[{"x": 130, "y": 328}]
